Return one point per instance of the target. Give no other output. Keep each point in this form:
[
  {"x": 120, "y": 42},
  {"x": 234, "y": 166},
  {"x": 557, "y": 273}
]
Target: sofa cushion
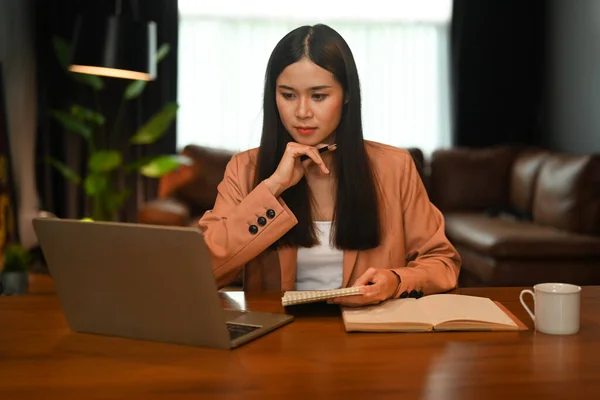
[
  {"x": 165, "y": 211},
  {"x": 567, "y": 193},
  {"x": 209, "y": 169},
  {"x": 481, "y": 270},
  {"x": 505, "y": 238},
  {"x": 523, "y": 179},
  {"x": 470, "y": 179}
]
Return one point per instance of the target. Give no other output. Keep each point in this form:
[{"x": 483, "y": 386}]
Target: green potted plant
[
  {"x": 14, "y": 279},
  {"x": 103, "y": 182}
]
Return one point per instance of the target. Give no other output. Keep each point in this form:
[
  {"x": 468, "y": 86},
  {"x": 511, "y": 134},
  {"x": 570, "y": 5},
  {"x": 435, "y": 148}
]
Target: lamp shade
[{"x": 115, "y": 46}]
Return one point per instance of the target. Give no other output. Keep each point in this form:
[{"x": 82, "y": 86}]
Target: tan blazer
[{"x": 413, "y": 239}]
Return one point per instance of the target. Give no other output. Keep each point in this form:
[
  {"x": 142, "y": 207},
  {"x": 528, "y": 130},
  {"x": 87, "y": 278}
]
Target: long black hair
[{"x": 356, "y": 223}]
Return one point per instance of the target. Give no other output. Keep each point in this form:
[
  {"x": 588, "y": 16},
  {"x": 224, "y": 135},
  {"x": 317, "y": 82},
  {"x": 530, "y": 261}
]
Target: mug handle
[{"x": 525, "y": 305}]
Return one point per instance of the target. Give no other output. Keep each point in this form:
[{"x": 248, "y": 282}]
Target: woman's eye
[
  {"x": 287, "y": 96},
  {"x": 319, "y": 96}
]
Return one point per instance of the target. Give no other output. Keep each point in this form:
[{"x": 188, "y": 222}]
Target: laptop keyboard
[{"x": 239, "y": 330}]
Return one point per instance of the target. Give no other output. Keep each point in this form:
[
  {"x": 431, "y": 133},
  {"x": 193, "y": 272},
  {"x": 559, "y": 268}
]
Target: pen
[{"x": 321, "y": 150}]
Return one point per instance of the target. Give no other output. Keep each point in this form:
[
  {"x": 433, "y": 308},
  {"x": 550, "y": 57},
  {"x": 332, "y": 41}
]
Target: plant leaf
[
  {"x": 95, "y": 184},
  {"x": 156, "y": 126},
  {"x": 115, "y": 200},
  {"x": 65, "y": 170},
  {"x": 86, "y": 114},
  {"x": 162, "y": 52},
  {"x": 139, "y": 163},
  {"x": 134, "y": 89},
  {"x": 105, "y": 160},
  {"x": 16, "y": 258},
  {"x": 72, "y": 124},
  {"x": 162, "y": 165},
  {"x": 62, "y": 50},
  {"x": 93, "y": 81}
]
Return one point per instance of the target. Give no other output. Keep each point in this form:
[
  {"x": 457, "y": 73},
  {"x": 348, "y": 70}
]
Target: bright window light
[{"x": 429, "y": 11}]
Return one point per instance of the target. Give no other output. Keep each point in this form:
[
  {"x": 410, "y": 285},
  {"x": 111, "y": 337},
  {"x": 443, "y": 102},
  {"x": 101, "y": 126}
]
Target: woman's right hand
[{"x": 291, "y": 169}]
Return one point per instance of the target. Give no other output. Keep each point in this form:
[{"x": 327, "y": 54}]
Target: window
[{"x": 401, "y": 50}]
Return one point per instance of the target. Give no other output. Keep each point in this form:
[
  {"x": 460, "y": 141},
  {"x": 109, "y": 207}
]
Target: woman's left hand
[{"x": 384, "y": 284}]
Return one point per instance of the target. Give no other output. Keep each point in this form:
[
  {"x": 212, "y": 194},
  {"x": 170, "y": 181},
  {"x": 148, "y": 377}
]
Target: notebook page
[
  {"x": 454, "y": 307},
  {"x": 400, "y": 311}
]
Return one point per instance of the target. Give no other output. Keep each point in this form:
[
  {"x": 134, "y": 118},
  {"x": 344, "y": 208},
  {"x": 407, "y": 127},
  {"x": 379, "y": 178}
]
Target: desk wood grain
[{"x": 313, "y": 356}]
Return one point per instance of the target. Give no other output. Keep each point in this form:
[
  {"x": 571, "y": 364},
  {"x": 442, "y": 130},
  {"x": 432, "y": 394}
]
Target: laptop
[{"x": 144, "y": 282}]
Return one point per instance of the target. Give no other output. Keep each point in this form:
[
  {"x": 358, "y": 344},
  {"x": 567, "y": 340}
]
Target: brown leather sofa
[
  {"x": 520, "y": 216},
  {"x": 184, "y": 195}
]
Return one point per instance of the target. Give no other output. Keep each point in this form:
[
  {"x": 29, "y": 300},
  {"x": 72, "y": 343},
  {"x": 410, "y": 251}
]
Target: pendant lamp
[{"x": 116, "y": 46}]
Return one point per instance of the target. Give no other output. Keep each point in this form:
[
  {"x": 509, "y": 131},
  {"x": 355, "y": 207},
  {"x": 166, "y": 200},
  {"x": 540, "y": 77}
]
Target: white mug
[{"x": 557, "y": 308}]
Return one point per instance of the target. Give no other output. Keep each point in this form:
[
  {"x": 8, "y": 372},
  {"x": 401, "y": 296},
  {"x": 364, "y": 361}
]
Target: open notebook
[
  {"x": 440, "y": 312},
  {"x": 311, "y": 296}
]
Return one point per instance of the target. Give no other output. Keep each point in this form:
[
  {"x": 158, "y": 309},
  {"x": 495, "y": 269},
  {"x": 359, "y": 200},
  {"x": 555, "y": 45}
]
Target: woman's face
[{"x": 309, "y": 100}]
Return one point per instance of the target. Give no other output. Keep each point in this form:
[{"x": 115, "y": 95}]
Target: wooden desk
[{"x": 312, "y": 356}]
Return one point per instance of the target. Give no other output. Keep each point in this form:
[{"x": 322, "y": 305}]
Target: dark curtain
[
  {"x": 497, "y": 70},
  {"x": 57, "y": 91},
  {"x": 9, "y": 232}
]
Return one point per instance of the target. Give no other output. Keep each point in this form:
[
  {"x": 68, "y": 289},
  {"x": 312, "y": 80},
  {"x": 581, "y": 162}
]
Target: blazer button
[
  {"x": 253, "y": 229},
  {"x": 262, "y": 221},
  {"x": 270, "y": 213},
  {"x": 413, "y": 294},
  {"x": 404, "y": 295}
]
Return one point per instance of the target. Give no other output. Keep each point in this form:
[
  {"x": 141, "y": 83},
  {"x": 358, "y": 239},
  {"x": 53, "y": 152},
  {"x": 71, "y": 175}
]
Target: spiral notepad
[{"x": 312, "y": 296}]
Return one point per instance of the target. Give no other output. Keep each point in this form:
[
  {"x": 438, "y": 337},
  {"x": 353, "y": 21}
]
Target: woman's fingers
[
  {"x": 321, "y": 149},
  {"x": 366, "y": 277},
  {"x": 289, "y": 172},
  {"x": 372, "y": 294},
  {"x": 315, "y": 157},
  {"x": 310, "y": 154},
  {"x": 376, "y": 285}
]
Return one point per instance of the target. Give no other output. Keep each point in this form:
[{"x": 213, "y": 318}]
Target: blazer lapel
[
  {"x": 349, "y": 262},
  {"x": 287, "y": 263}
]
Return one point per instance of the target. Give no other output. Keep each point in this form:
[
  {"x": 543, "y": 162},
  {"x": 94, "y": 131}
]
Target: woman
[{"x": 356, "y": 214}]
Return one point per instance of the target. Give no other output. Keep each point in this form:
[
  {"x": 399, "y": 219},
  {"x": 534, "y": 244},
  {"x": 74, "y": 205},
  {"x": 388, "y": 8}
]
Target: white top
[{"x": 320, "y": 267}]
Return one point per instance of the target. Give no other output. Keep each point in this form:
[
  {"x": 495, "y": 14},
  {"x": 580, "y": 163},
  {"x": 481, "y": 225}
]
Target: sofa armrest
[
  {"x": 167, "y": 211},
  {"x": 467, "y": 179}
]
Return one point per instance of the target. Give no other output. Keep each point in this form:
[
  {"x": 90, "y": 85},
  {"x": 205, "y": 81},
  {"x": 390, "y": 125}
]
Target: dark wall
[
  {"x": 497, "y": 61},
  {"x": 526, "y": 72},
  {"x": 573, "y": 85}
]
